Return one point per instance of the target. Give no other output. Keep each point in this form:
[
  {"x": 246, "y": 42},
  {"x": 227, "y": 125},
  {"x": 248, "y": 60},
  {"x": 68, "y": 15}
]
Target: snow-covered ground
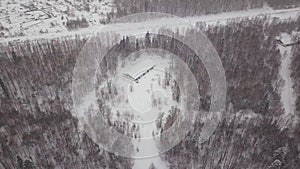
[
  {"x": 146, "y": 100},
  {"x": 288, "y": 97},
  {"x": 147, "y": 96},
  {"x": 37, "y": 17},
  {"x": 144, "y": 104},
  {"x": 212, "y": 19}
]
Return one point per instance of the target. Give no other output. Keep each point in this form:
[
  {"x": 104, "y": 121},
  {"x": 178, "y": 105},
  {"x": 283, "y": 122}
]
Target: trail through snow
[{"x": 288, "y": 97}]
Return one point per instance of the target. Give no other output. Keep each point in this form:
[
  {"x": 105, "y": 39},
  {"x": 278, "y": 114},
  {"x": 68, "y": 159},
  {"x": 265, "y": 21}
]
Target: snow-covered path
[
  {"x": 147, "y": 147},
  {"x": 288, "y": 97}
]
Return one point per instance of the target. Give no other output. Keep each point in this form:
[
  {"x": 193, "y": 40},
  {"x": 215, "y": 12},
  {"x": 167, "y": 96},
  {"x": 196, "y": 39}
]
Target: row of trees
[
  {"x": 76, "y": 24},
  {"x": 195, "y": 7},
  {"x": 280, "y": 4},
  {"x": 184, "y": 8}
]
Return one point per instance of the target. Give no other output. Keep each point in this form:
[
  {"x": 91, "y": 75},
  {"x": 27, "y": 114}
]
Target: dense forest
[
  {"x": 250, "y": 135},
  {"x": 35, "y": 91},
  {"x": 37, "y": 127}
]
